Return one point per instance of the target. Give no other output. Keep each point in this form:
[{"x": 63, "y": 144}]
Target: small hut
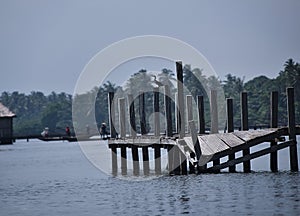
[{"x": 6, "y": 125}]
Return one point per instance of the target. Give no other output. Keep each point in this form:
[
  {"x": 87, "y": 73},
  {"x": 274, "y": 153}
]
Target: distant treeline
[{"x": 36, "y": 110}]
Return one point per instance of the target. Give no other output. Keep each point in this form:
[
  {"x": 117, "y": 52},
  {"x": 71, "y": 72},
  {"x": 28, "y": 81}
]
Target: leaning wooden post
[
  {"x": 274, "y": 124},
  {"x": 142, "y": 113},
  {"x": 196, "y": 144},
  {"x": 180, "y": 100},
  {"x": 132, "y": 116},
  {"x": 122, "y": 117},
  {"x": 244, "y": 127},
  {"x": 230, "y": 128},
  {"x": 201, "y": 120},
  {"x": 292, "y": 129},
  {"x": 156, "y": 112},
  {"x": 111, "y": 112},
  {"x": 168, "y": 112}
]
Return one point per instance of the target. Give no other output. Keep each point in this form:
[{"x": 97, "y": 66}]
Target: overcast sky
[{"x": 44, "y": 45}]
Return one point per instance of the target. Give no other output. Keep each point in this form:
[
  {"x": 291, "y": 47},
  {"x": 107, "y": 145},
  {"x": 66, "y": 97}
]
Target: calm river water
[{"x": 38, "y": 178}]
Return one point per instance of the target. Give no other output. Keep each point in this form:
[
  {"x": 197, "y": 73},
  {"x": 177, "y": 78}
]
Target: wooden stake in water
[
  {"x": 274, "y": 124},
  {"x": 292, "y": 129},
  {"x": 230, "y": 128},
  {"x": 244, "y": 124},
  {"x": 180, "y": 100},
  {"x": 111, "y": 113},
  {"x": 132, "y": 116}
]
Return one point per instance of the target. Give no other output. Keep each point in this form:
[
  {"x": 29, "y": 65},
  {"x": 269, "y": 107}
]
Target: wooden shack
[{"x": 6, "y": 125}]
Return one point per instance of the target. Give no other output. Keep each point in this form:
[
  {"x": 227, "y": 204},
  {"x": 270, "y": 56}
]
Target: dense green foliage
[{"x": 36, "y": 111}]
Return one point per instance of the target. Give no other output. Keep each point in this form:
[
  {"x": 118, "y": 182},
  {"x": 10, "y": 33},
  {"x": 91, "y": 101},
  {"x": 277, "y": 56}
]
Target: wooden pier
[{"x": 192, "y": 150}]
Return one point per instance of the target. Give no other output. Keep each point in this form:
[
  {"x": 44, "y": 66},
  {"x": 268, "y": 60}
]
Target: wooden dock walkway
[{"x": 190, "y": 151}]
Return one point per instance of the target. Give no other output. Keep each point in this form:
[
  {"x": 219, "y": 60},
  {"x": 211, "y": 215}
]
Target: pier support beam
[
  {"x": 135, "y": 160},
  {"x": 201, "y": 120},
  {"x": 146, "y": 160},
  {"x": 230, "y": 128},
  {"x": 292, "y": 129},
  {"x": 180, "y": 100},
  {"x": 157, "y": 156},
  {"x": 274, "y": 124},
  {"x": 122, "y": 118},
  {"x": 244, "y": 127},
  {"x": 156, "y": 112},
  {"x": 123, "y": 160},
  {"x": 132, "y": 116},
  {"x": 114, "y": 160},
  {"x": 111, "y": 112},
  {"x": 168, "y": 112},
  {"x": 142, "y": 113}
]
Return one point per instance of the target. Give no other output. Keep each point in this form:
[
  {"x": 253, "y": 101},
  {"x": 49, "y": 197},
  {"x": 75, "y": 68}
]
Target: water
[{"x": 38, "y": 178}]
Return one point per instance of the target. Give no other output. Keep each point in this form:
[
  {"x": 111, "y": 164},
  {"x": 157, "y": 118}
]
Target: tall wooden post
[
  {"x": 274, "y": 124},
  {"x": 132, "y": 116},
  {"x": 201, "y": 120},
  {"x": 189, "y": 108},
  {"x": 111, "y": 112},
  {"x": 292, "y": 129},
  {"x": 142, "y": 113},
  {"x": 156, "y": 112},
  {"x": 230, "y": 128},
  {"x": 196, "y": 144},
  {"x": 168, "y": 112},
  {"x": 180, "y": 100},
  {"x": 122, "y": 122},
  {"x": 214, "y": 128},
  {"x": 244, "y": 126}
]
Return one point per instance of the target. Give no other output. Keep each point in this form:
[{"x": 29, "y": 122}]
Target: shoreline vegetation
[{"x": 36, "y": 111}]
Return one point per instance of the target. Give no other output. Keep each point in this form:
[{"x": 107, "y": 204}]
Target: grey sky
[{"x": 44, "y": 45}]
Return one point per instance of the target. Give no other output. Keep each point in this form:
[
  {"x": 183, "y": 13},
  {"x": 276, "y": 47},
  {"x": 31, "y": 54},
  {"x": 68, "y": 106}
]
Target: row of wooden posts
[{"x": 181, "y": 131}]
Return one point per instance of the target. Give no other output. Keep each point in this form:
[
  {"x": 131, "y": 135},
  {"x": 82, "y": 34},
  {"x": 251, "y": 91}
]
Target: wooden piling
[
  {"x": 146, "y": 160},
  {"x": 180, "y": 100},
  {"x": 157, "y": 156},
  {"x": 176, "y": 160},
  {"x": 201, "y": 120},
  {"x": 230, "y": 128},
  {"x": 274, "y": 124},
  {"x": 168, "y": 112},
  {"x": 122, "y": 118},
  {"x": 111, "y": 112},
  {"x": 142, "y": 113},
  {"x": 170, "y": 160},
  {"x": 183, "y": 166},
  {"x": 189, "y": 108},
  {"x": 214, "y": 128},
  {"x": 132, "y": 116},
  {"x": 156, "y": 112},
  {"x": 197, "y": 147},
  {"x": 244, "y": 127},
  {"x": 114, "y": 160},
  {"x": 292, "y": 129},
  {"x": 123, "y": 160},
  {"x": 135, "y": 160}
]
